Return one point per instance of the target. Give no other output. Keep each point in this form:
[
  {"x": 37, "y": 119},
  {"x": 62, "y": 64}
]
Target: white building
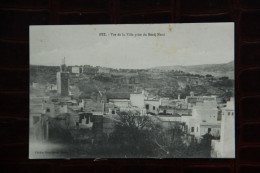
[
  {"x": 225, "y": 147},
  {"x": 121, "y": 103},
  {"x": 204, "y": 120},
  {"x": 152, "y": 105},
  {"x": 63, "y": 109},
  {"x": 35, "y": 85},
  {"x": 192, "y": 100},
  {"x": 103, "y": 70},
  {"x": 167, "y": 122},
  {"x": 137, "y": 100},
  {"x": 76, "y": 69}
]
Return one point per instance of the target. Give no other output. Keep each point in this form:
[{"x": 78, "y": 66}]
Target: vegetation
[
  {"x": 38, "y": 74},
  {"x": 136, "y": 136},
  {"x": 161, "y": 83}
]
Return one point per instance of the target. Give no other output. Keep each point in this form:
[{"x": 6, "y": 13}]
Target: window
[
  {"x": 113, "y": 112},
  {"x": 197, "y": 129},
  {"x": 164, "y": 111},
  {"x": 209, "y": 130},
  {"x": 147, "y": 106},
  {"x": 228, "y": 113},
  {"x": 153, "y": 107},
  {"x": 192, "y": 129},
  {"x": 48, "y": 109}
]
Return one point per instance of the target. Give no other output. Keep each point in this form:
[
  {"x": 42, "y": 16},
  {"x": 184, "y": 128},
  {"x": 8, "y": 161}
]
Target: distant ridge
[{"x": 218, "y": 70}]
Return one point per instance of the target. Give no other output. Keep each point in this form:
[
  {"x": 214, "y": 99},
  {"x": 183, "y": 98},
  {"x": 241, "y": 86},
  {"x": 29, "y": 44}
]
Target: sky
[{"x": 182, "y": 44}]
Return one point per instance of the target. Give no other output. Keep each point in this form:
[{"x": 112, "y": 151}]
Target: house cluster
[{"x": 196, "y": 115}]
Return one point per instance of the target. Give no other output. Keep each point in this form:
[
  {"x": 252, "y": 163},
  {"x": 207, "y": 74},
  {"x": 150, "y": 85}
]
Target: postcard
[{"x": 132, "y": 91}]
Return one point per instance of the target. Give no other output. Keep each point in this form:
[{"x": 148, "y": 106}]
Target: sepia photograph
[{"x": 132, "y": 91}]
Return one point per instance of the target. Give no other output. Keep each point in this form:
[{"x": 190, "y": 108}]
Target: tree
[
  {"x": 170, "y": 143},
  {"x": 59, "y": 128},
  {"x": 132, "y": 135},
  {"x": 87, "y": 87},
  {"x": 134, "y": 120},
  {"x": 139, "y": 136},
  {"x": 200, "y": 149}
]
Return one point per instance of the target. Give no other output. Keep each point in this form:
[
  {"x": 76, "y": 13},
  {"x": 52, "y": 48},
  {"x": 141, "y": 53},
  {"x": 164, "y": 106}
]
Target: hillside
[{"x": 218, "y": 70}]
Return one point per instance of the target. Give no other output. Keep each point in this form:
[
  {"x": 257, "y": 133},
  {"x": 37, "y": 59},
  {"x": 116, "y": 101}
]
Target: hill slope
[{"x": 218, "y": 70}]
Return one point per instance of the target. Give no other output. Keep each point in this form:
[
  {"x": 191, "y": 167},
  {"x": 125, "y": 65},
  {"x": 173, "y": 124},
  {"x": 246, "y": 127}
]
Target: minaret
[
  {"x": 227, "y": 134},
  {"x": 63, "y": 80},
  {"x": 63, "y": 67}
]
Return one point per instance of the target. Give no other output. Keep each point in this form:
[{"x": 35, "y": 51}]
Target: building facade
[
  {"x": 63, "y": 81},
  {"x": 225, "y": 147}
]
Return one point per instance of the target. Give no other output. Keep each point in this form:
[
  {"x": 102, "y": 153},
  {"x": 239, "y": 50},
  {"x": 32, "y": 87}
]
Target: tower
[
  {"x": 63, "y": 80},
  {"x": 227, "y": 136},
  {"x": 63, "y": 67}
]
